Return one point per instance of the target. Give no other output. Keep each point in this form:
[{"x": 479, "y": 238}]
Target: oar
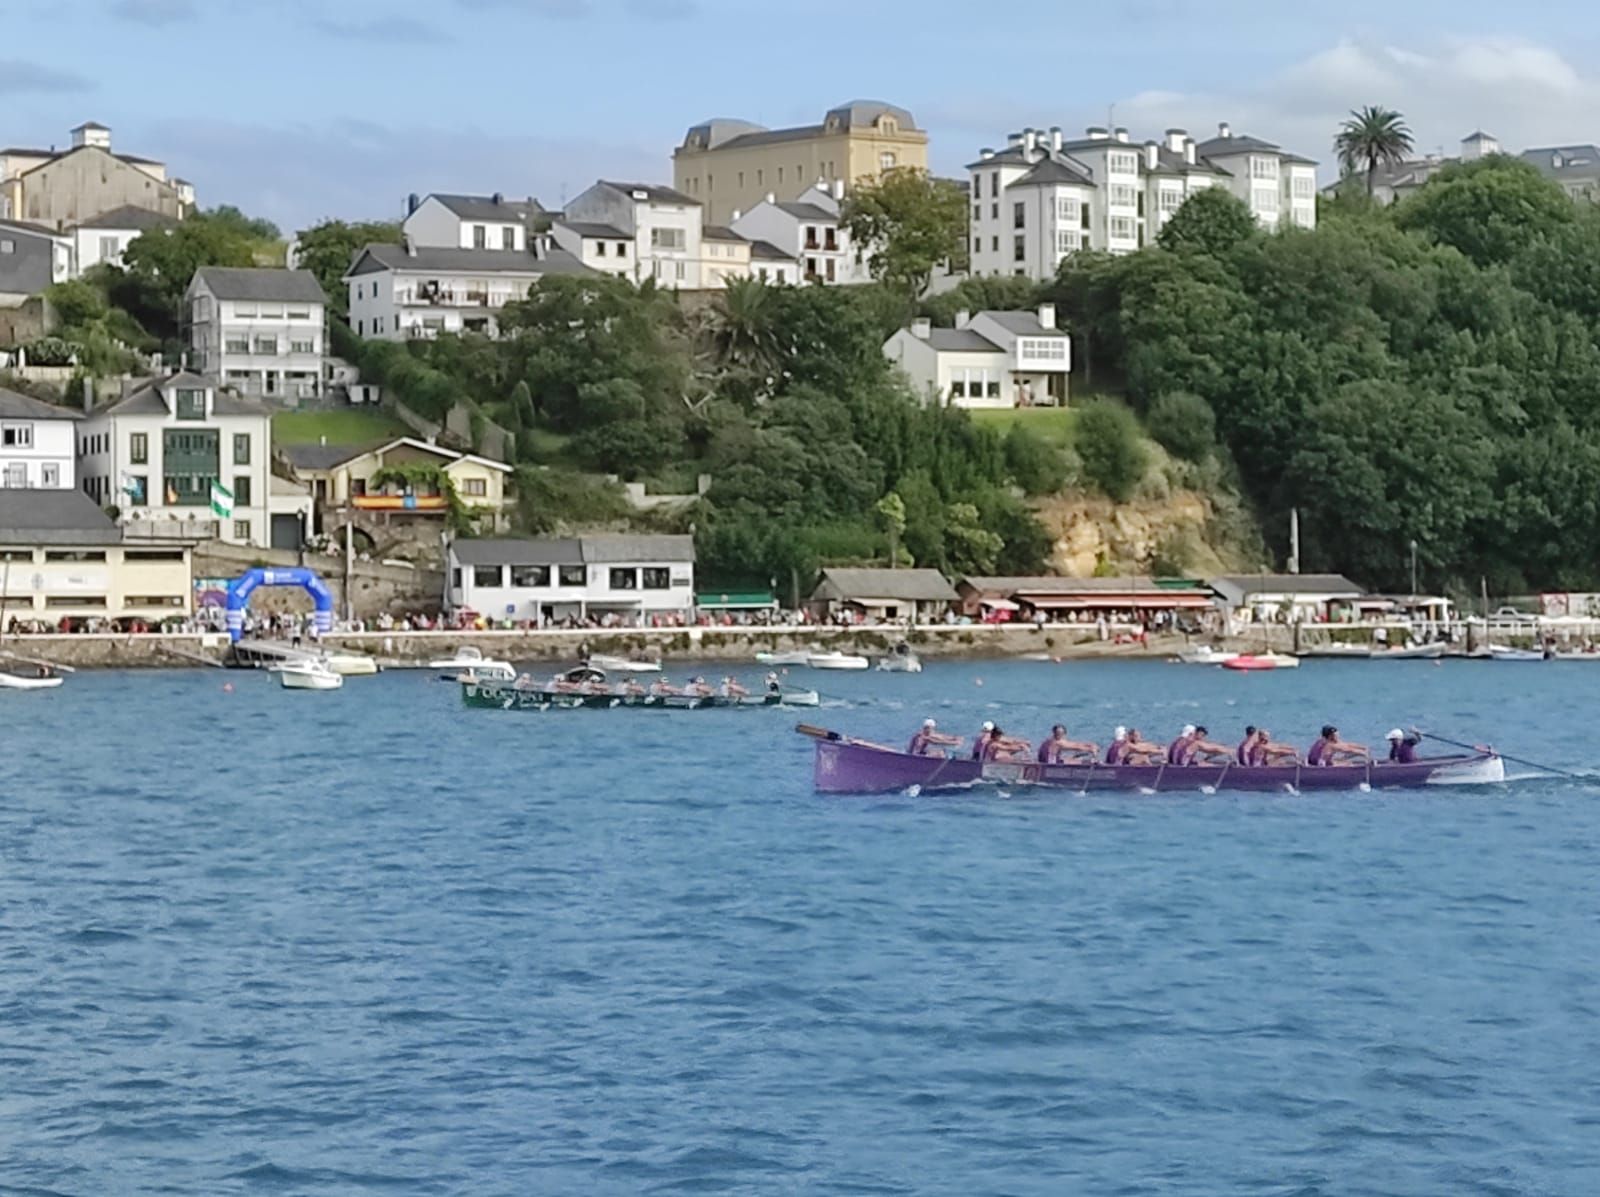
[
  {"x": 1503, "y": 756},
  {"x": 823, "y": 733},
  {"x": 37, "y": 661},
  {"x": 1217, "y": 785}
]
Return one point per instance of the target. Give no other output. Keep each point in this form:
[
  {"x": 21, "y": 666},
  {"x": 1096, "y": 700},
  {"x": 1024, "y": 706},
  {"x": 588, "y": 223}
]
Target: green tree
[
  {"x": 328, "y": 250},
  {"x": 1371, "y": 137},
  {"x": 1109, "y": 445},
  {"x": 911, "y": 223},
  {"x": 1211, "y": 221},
  {"x": 970, "y": 547},
  {"x": 164, "y": 260},
  {"x": 1183, "y": 424},
  {"x": 891, "y": 509},
  {"x": 981, "y": 293},
  {"x": 1492, "y": 209},
  {"x": 1034, "y": 464}
]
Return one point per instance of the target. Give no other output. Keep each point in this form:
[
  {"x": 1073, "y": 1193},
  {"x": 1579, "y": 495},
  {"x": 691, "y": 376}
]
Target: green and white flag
[{"x": 221, "y": 500}]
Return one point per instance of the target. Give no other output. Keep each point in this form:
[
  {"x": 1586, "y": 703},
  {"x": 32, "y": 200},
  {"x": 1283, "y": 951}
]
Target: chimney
[
  {"x": 498, "y": 198},
  {"x": 1152, "y": 154},
  {"x": 1013, "y": 140},
  {"x": 1055, "y": 138},
  {"x": 1176, "y": 138},
  {"x": 1121, "y": 134},
  {"x": 1096, "y": 133},
  {"x": 736, "y": 214},
  {"x": 963, "y": 318},
  {"x": 88, "y": 394},
  {"x": 411, "y": 247},
  {"x": 838, "y": 189},
  {"x": 413, "y": 202},
  {"x": 1029, "y": 140},
  {"x": 1047, "y": 315},
  {"x": 771, "y": 198},
  {"x": 1224, "y": 129},
  {"x": 986, "y": 153},
  {"x": 921, "y": 328},
  {"x": 1188, "y": 151}
]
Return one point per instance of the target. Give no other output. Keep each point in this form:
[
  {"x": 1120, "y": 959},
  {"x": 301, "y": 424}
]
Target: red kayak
[{"x": 1249, "y": 661}]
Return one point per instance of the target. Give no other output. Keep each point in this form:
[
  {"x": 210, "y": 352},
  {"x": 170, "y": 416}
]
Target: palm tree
[{"x": 1371, "y": 138}]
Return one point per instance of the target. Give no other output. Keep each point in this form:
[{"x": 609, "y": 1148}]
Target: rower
[
  {"x": 1199, "y": 746},
  {"x": 1058, "y": 746},
  {"x": 774, "y": 686},
  {"x": 1330, "y": 750},
  {"x": 1119, "y": 747},
  {"x": 732, "y": 689},
  {"x": 1264, "y": 752},
  {"x": 929, "y": 737},
  {"x": 1179, "y": 748},
  {"x": 697, "y": 686},
  {"x": 663, "y": 687},
  {"x": 1242, "y": 756},
  {"x": 1139, "y": 751},
  {"x": 981, "y": 739},
  {"x": 1403, "y": 748},
  {"x": 1000, "y": 747},
  {"x": 631, "y": 687}
]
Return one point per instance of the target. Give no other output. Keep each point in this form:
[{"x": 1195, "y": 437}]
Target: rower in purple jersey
[
  {"x": 1200, "y": 747},
  {"x": 1139, "y": 751},
  {"x": 1242, "y": 755},
  {"x": 1119, "y": 747},
  {"x": 1403, "y": 748},
  {"x": 928, "y": 737},
  {"x": 1058, "y": 746},
  {"x": 1179, "y": 748}
]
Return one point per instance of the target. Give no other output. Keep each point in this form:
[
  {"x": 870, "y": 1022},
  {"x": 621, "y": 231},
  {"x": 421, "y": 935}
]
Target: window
[
  {"x": 241, "y": 529},
  {"x": 455, "y": 578},
  {"x": 302, "y": 346},
  {"x": 136, "y": 488},
  {"x": 622, "y": 249},
  {"x": 236, "y": 345},
  {"x": 530, "y": 575},
  {"x": 1122, "y": 228},
  {"x": 267, "y": 345},
  {"x": 741, "y": 178},
  {"x": 887, "y": 160},
  {"x": 1019, "y": 251},
  {"x": 1264, "y": 199},
  {"x": 657, "y": 577},
  {"x": 241, "y": 490},
  {"x": 49, "y": 475},
  {"x": 272, "y": 311},
  {"x": 15, "y": 476},
  {"x": 1303, "y": 187},
  {"x": 16, "y": 436},
  {"x": 480, "y": 237},
  {"x": 1263, "y": 168},
  {"x": 1044, "y": 348},
  {"x": 571, "y": 575},
  {"x": 82, "y": 600},
  {"x": 241, "y": 448},
  {"x": 76, "y": 555},
  {"x": 1068, "y": 241},
  {"x": 666, "y": 238},
  {"x": 299, "y": 313},
  {"x": 152, "y": 554},
  {"x": 239, "y": 309},
  {"x": 1170, "y": 200},
  {"x": 977, "y": 245},
  {"x": 190, "y": 405},
  {"x": 108, "y": 247},
  {"x": 486, "y": 575},
  {"x": 1122, "y": 162},
  {"x": 680, "y": 271},
  {"x": 759, "y": 176},
  {"x": 1067, "y": 210},
  {"x": 600, "y": 249},
  {"x": 994, "y": 185},
  {"x": 994, "y": 211},
  {"x": 477, "y": 488},
  {"x": 977, "y": 212},
  {"x": 994, "y": 245},
  {"x": 508, "y": 236},
  {"x": 624, "y": 579},
  {"x": 154, "y": 600},
  {"x": 1019, "y": 216},
  {"x": 1122, "y": 195}
]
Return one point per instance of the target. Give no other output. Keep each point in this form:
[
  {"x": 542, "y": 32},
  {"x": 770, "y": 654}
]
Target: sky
[{"x": 299, "y": 110}]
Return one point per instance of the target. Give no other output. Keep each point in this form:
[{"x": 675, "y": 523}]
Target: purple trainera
[{"x": 848, "y": 766}]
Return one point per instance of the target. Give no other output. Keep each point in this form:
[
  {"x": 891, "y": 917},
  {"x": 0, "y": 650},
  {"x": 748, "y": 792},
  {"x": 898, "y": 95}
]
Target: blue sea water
[{"x": 372, "y": 942}]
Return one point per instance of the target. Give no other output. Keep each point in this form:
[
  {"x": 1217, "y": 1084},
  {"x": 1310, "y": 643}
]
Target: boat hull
[
  {"x": 509, "y": 698},
  {"x": 1410, "y": 652},
  {"x": 846, "y": 767},
  {"x": 293, "y": 679},
  {"x": 12, "y": 681}
]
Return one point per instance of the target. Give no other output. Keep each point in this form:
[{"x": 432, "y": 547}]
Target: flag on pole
[{"x": 221, "y": 500}]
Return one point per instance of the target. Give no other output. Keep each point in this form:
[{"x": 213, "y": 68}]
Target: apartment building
[
  {"x": 807, "y": 230},
  {"x": 261, "y": 332},
  {"x": 63, "y": 188},
  {"x": 657, "y": 233},
  {"x": 1044, "y": 197},
  {"x": 38, "y": 443},
  {"x": 728, "y": 164}
]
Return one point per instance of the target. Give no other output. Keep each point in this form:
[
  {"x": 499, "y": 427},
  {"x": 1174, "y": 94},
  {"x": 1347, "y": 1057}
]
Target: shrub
[
  {"x": 1035, "y": 465},
  {"x": 1184, "y": 425},
  {"x": 49, "y": 351},
  {"x": 1109, "y": 447}
]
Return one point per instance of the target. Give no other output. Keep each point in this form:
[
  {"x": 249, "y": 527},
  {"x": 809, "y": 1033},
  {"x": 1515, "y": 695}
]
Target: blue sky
[{"x": 301, "y": 109}]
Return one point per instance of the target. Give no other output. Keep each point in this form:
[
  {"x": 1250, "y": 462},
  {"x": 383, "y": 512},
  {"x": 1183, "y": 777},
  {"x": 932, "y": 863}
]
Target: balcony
[
  {"x": 433, "y": 504},
  {"x": 154, "y": 529},
  {"x": 449, "y": 297}
]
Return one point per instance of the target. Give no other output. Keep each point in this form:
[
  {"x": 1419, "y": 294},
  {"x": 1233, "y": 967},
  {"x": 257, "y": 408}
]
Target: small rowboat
[
  {"x": 845, "y": 765},
  {"x": 624, "y": 664},
  {"x": 1410, "y": 652},
  {"x": 16, "y": 681},
  {"x": 1251, "y": 662},
  {"x": 1505, "y": 652},
  {"x": 511, "y": 698}
]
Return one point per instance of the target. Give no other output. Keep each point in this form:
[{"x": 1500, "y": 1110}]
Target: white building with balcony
[
  {"x": 1043, "y": 197},
  {"x": 807, "y": 229},
  {"x": 261, "y": 332},
  {"x": 440, "y": 221},
  {"x": 38, "y": 443},
  {"x": 632, "y": 577},
  {"x": 991, "y": 359},
  {"x": 154, "y": 454},
  {"x": 663, "y": 228},
  {"x": 401, "y": 291}
]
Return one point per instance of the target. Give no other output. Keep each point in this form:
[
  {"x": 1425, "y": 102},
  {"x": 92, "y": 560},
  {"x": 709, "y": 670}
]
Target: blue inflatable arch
[{"x": 309, "y": 580}]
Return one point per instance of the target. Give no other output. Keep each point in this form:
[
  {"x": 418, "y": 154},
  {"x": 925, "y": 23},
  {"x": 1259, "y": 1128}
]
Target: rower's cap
[
  {"x": 988, "y": 725},
  {"x": 1395, "y": 734},
  {"x": 1202, "y": 730},
  {"x": 928, "y": 723},
  {"x": 1120, "y": 734},
  {"x": 1188, "y": 729}
]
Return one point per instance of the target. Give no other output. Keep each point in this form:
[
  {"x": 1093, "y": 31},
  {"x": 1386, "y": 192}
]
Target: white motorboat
[
  {"x": 900, "y": 660},
  {"x": 350, "y": 664},
  {"x": 1504, "y": 652},
  {"x": 487, "y": 671},
  {"x": 834, "y": 659},
  {"x": 1409, "y": 652},
  {"x": 16, "y": 681},
  {"x": 623, "y": 664},
  {"x": 463, "y": 658},
  {"x": 1203, "y": 654},
  {"x": 793, "y": 656},
  {"x": 309, "y": 674},
  {"x": 1335, "y": 648}
]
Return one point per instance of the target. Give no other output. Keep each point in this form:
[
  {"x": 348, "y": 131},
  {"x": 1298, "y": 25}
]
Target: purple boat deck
[{"x": 847, "y": 766}]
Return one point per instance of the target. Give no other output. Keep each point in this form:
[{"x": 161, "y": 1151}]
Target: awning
[
  {"x": 735, "y": 600},
  {"x": 999, "y": 605},
  {"x": 1101, "y": 602}
]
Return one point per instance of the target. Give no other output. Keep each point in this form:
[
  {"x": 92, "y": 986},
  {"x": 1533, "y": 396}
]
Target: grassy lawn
[
  {"x": 1052, "y": 424},
  {"x": 345, "y": 426}
]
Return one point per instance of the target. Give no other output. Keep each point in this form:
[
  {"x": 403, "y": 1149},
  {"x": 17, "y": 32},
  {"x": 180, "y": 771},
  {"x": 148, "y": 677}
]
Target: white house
[
  {"x": 1043, "y": 197},
  {"x": 441, "y": 221},
  {"x": 635, "y": 577},
  {"x": 31, "y": 258},
  {"x": 807, "y": 229},
  {"x": 665, "y": 229},
  {"x": 260, "y": 332},
  {"x": 772, "y": 265},
  {"x": 38, "y": 444},
  {"x": 400, "y": 291},
  {"x": 154, "y": 454},
  {"x": 102, "y": 239},
  {"x": 991, "y": 359}
]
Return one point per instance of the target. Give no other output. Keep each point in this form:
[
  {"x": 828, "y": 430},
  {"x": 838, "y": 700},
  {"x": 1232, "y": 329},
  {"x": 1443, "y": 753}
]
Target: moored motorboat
[
  {"x": 844, "y": 765},
  {"x": 1410, "y": 652},
  {"x": 347, "y": 664},
  {"x": 1505, "y": 652},
  {"x": 1335, "y": 648},
  {"x": 1252, "y": 662},
  {"x": 834, "y": 659},
  {"x": 624, "y": 664},
  {"x": 17, "y": 681},
  {"x": 900, "y": 660},
  {"x": 308, "y": 674},
  {"x": 1203, "y": 654},
  {"x": 791, "y": 656}
]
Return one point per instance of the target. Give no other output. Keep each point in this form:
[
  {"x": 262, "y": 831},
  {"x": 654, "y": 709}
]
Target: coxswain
[
  {"x": 1119, "y": 747},
  {"x": 1246, "y": 745},
  {"x": 1139, "y": 751},
  {"x": 774, "y": 686},
  {"x": 1199, "y": 747},
  {"x": 1403, "y": 748},
  {"x": 524, "y": 681},
  {"x": 1178, "y": 750},
  {"x": 928, "y": 737},
  {"x": 732, "y": 689},
  {"x": 1058, "y": 746}
]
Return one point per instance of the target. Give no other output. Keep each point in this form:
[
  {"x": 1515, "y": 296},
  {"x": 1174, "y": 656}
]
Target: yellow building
[
  {"x": 342, "y": 476},
  {"x": 732, "y": 165}
]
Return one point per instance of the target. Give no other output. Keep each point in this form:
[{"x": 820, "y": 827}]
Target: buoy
[
  {"x": 227, "y": 687},
  {"x": 977, "y": 681}
]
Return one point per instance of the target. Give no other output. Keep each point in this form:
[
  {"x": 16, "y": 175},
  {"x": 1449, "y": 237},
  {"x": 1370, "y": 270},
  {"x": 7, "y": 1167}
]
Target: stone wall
[
  {"x": 375, "y": 588},
  {"x": 20, "y": 325}
]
